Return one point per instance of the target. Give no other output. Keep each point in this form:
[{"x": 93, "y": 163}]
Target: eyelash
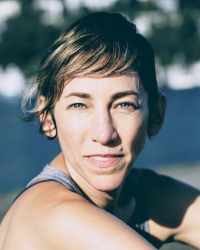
[
  {"x": 135, "y": 106},
  {"x": 75, "y": 106}
]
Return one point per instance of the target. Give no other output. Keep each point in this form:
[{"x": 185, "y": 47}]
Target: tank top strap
[
  {"x": 31, "y": 185},
  {"x": 52, "y": 173}
]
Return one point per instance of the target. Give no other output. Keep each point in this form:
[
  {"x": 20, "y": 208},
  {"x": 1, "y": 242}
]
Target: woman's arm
[
  {"x": 173, "y": 207},
  {"x": 77, "y": 224}
]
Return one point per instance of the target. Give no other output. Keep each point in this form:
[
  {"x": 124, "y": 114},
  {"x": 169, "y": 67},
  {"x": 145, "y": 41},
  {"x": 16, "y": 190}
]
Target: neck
[{"x": 106, "y": 200}]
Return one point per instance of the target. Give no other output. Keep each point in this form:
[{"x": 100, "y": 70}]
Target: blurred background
[{"x": 27, "y": 29}]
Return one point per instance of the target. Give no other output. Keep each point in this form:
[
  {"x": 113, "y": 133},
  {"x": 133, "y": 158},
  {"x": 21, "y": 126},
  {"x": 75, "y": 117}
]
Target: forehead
[{"x": 103, "y": 86}]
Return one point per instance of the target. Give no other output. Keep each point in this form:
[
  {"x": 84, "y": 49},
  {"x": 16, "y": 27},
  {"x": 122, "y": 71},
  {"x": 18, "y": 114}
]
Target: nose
[{"x": 102, "y": 128}]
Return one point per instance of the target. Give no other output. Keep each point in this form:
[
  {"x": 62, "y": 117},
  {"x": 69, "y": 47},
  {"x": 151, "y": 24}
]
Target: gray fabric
[
  {"x": 177, "y": 246},
  {"x": 143, "y": 226},
  {"x": 49, "y": 172}
]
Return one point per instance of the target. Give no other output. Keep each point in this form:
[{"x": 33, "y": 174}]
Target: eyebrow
[
  {"x": 124, "y": 94},
  {"x": 80, "y": 94},
  {"x": 114, "y": 97}
]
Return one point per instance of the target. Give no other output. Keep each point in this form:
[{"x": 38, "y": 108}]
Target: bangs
[
  {"x": 92, "y": 57},
  {"x": 99, "y": 61}
]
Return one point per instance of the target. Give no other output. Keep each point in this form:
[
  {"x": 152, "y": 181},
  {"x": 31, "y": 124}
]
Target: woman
[{"x": 96, "y": 93}]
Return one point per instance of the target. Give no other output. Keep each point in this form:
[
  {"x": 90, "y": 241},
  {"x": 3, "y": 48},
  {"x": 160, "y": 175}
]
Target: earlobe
[
  {"x": 47, "y": 126},
  {"x": 157, "y": 116}
]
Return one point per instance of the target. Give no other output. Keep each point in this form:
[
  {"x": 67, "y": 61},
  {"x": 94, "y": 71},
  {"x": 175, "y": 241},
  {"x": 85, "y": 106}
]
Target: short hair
[{"x": 98, "y": 45}]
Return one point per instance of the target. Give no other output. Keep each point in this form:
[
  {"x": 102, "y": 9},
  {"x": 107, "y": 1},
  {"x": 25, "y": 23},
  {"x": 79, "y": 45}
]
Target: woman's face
[{"x": 102, "y": 127}]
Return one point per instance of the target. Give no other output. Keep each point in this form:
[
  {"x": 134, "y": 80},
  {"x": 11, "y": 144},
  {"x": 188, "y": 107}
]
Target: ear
[
  {"x": 157, "y": 116},
  {"x": 47, "y": 123}
]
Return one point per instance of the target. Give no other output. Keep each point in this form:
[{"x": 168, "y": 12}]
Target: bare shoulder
[
  {"x": 49, "y": 216},
  {"x": 94, "y": 228},
  {"x": 173, "y": 206},
  {"x": 26, "y": 219}
]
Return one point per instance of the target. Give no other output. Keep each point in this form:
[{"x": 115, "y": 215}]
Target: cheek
[
  {"x": 134, "y": 133},
  {"x": 140, "y": 138},
  {"x": 71, "y": 129}
]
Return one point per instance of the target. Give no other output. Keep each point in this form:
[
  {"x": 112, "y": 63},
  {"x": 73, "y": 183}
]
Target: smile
[{"x": 104, "y": 160}]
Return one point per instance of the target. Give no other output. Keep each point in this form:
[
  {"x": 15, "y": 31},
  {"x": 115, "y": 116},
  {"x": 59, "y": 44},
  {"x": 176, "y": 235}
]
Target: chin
[{"x": 107, "y": 183}]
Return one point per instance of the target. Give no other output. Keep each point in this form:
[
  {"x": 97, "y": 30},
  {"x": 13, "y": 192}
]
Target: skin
[
  {"x": 173, "y": 207},
  {"x": 102, "y": 126},
  {"x": 98, "y": 149}
]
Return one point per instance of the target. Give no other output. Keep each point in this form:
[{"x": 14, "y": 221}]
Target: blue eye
[
  {"x": 125, "y": 105},
  {"x": 77, "y": 105}
]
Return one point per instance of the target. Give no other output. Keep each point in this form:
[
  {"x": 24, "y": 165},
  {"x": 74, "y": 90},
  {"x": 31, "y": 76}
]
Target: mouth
[{"x": 104, "y": 160}]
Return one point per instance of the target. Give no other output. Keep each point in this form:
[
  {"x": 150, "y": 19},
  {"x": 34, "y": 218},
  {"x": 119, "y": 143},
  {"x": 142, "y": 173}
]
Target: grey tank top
[
  {"x": 139, "y": 222},
  {"x": 51, "y": 173}
]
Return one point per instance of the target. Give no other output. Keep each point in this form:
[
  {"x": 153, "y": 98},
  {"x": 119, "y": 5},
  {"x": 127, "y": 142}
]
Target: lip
[{"x": 104, "y": 160}]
